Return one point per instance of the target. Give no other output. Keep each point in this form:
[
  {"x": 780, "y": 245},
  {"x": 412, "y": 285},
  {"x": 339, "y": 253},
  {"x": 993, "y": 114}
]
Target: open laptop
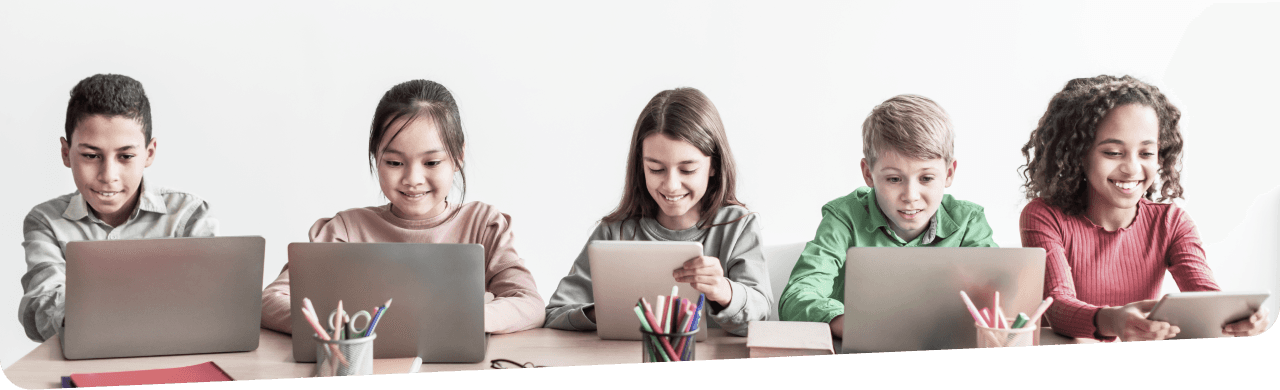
[
  {"x": 908, "y": 299},
  {"x": 438, "y": 291},
  {"x": 624, "y": 271},
  {"x": 162, "y": 296}
]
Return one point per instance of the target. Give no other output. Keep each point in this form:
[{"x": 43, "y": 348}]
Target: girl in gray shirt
[{"x": 680, "y": 187}]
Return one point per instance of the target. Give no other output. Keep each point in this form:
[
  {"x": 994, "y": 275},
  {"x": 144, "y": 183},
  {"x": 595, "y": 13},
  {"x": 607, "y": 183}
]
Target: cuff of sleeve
[
  {"x": 737, "y": 302},
  {"x": 1097, "y": 333},
  {"x": 578, "y": 318}
]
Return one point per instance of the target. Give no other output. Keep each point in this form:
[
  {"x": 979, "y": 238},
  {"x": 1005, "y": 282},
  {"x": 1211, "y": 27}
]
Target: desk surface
[{"x": 44, "y": 366}]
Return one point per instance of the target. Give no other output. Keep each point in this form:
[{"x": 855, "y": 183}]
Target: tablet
[
  {"x": 624, "y": 271},
  {"x": 1202, "y": 314}
]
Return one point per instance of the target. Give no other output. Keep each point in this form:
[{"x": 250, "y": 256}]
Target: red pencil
[{"x": 653, "y": 324}]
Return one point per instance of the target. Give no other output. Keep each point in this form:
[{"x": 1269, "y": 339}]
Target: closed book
[
  {"x": 788, "y": 338},
  {"x": 203, "y": 372}
]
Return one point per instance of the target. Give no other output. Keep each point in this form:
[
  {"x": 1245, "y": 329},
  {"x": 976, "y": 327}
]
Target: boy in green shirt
[{"x": 907, "y": 144}]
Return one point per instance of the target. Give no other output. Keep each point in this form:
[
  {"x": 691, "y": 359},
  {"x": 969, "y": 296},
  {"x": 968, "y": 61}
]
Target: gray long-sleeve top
[{"x": 734, "y": 238}]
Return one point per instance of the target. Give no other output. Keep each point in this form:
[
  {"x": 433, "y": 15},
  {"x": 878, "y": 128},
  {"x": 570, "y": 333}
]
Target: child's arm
[
  {"x": 41, "y": 307},
  {"x": 748, "y": 279},
  {"x": 808, "y": 294},
  {"x": 276, "y": 314},
  {"x": 1069, "y": 316},
  {"x": 516, "y": 305},
  {"x": 567, "y": 308}
]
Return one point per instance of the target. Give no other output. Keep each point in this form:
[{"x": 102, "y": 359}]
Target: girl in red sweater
[{"x": 1103, "y": 149}]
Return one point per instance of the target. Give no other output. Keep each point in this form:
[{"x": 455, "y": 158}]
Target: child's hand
[
  {"x": 1130, "y": 323},
  {"x": 1253, "y": 325},
  {"x": 704, "y": 274}
]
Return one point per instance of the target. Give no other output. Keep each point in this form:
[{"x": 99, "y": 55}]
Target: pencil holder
[
  {"x": 680, "y": 345},
  {"x": 344, "y": 357},
  {"x": 998, "y": 338}
]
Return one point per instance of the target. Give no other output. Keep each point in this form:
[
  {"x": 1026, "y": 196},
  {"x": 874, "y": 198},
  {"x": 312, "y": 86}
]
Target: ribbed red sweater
[{"x": 1088, "y": 268}]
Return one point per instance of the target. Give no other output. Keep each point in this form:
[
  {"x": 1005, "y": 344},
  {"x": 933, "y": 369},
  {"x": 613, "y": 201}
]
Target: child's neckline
[{"x": 417, "y": 224}]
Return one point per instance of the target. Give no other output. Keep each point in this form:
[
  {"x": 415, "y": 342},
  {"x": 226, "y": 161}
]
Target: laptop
[
  {"x": 624, "y": 271},
  {"x": 437, "y": 312},
  {"x": 908, "y": 299},
  {"x": 162, "y": 296}
]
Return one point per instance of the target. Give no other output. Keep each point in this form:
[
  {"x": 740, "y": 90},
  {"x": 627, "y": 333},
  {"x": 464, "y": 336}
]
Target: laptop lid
[
  {"x": 162, "y": 296},
  {"x": 438, "y": 291},
  {"x": 908, "y": 299},
  {"x": 624, "y": 271}
]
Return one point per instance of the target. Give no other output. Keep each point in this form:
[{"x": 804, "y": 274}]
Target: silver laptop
[
  {"x": 908, "y": 299},
  {"x": 438, "y": 291},
  {"x": 163, "y": 296},
  {"x": 624, "y": 271}
]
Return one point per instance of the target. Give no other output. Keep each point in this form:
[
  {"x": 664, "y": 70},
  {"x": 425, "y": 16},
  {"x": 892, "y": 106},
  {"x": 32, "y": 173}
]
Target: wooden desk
[{"x": 44, "y": 366}]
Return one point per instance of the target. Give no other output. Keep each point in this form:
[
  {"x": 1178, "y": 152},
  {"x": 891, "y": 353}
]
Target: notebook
[
  {"x": 438, "y": 292},
  {"x": 203, "y": 372},
  {"x": 908, "y": 299},
  {"x": 788, "y": 338},
  {"x": 624, "y": 271},
  {"x": 162, "y": 296}
]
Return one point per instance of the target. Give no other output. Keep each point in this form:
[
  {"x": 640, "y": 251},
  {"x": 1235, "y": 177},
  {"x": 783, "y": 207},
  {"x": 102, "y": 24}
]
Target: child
[
  {"x": 680, "y": 187},
  {"x": 416, "y": 147},
  {"x": 107, "y": 145},
  {"x": 1092, "y": 167},
  {"x": 907, "y": 145}
]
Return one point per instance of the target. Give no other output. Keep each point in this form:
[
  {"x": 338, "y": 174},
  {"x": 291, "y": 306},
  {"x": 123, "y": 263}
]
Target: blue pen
[
  {"x": 697, "y": 312},
  {"x": 374, "y": 322}
]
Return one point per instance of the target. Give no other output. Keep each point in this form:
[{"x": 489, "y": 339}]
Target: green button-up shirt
[{"x": 815, "y": 291}]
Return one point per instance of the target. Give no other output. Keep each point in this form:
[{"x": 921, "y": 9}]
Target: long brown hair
[
  {"x": 1060, "y": 143},
  {"x": 687, "y": 115}
]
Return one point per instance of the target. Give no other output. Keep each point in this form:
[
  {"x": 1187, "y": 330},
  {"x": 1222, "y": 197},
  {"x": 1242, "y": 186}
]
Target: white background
[{"x": 264, "y": 110}]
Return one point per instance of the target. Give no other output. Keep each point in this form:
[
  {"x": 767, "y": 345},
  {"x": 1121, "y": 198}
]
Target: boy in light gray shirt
[{"x": 107, "y": 145}]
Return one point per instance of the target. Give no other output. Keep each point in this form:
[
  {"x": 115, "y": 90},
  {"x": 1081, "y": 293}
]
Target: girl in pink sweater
[
  {"x": 416, "y": 147},
  {"x": 1100, "y": 153}
]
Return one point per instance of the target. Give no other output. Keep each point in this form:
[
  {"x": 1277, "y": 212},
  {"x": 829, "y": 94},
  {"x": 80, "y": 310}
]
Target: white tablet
[
  {"x": 624, "y": 271},
  {"x": 1202, "y": 314}
]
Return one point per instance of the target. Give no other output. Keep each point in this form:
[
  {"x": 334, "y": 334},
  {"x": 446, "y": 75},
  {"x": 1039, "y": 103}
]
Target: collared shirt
[
  {"x": 815, "y": 291},
  {"x": 50, "y": 225}
]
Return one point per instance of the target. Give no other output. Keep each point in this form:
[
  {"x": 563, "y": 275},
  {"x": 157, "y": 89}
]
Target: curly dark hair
[
  {"x": 1061, "y": 141},
  {"x": 109, "y": 95}
]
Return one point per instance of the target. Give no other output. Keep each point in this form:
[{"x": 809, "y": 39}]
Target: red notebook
[{"x": 203, "y": 372}]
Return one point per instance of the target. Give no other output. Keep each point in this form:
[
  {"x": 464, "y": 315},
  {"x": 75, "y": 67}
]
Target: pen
[
  {"x": 973, "y": 310},
  {"x": 416, "y": 365},
  {"x": 645, "y": 324},
  {"x": 374, "y": 322},
  {"x": 1035, "y": 318},
  {"x": 1020, "y": 321},
  {"x": 671, "y": 352},
  {"x": 697, "y": 311}
]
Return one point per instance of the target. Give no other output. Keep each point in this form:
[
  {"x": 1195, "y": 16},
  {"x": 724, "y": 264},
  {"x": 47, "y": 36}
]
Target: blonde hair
[{"x": 912, "y": 125}]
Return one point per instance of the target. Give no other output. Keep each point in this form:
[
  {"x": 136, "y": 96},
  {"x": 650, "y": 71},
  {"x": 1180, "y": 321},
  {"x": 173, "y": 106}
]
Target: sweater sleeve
[
  {"x": 808, "y": 294},
  {"x": 1068, "y": 315},
  {"x": 567, "y": 307},
  {"x": 749, "y": 280},
  {"x": 43, "y": 285},
  {"x": 516, "y": 305},
  {"x": 276, "y": 304},
  {"x": 1185, "y": 254}
]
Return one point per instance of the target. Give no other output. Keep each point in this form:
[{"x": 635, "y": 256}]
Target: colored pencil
[
  {"x": 973, "y": 310},
  {"x": 645, "y": 324},
  {"x": 671, "y": 352},
  {"x": 1035, "y": 317}
]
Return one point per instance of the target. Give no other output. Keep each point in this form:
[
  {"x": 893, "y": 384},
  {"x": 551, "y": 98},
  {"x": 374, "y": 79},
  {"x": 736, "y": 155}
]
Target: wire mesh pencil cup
[
  {"x": 999, "y": 338},
  {"x": 344, "y": 357},
  {"x": 682, "y": 345}
]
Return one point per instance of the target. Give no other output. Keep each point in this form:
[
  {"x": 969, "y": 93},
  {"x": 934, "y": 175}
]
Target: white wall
[{"x": 264, "y": 109}]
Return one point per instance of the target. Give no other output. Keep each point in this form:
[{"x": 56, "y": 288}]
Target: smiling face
[
  {"x": 1123, "y": 162},
  {"x": 676, "y": 174},
  {"x": 415, "y": 170},
  {"x": 106, "y": 155},
  {"x": 908, "y": 190}
]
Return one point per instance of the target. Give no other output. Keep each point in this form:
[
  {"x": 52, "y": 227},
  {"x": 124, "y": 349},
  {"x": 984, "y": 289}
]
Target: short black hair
[{"x": 109, "y": 95}]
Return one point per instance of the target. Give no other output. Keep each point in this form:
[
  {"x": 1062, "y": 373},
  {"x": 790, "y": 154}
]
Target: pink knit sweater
[
  {"x": 516, "y": 304},
  {"x": 1088, "y": 268}
]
